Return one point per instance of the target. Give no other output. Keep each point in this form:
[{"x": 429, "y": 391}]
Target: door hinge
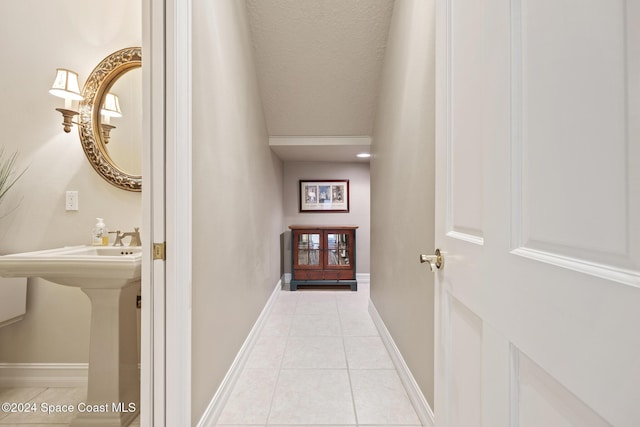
[{"x": 159, "y": 251}]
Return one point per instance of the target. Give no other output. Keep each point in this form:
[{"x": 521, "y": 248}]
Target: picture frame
[{"x": 326, "y": 196}]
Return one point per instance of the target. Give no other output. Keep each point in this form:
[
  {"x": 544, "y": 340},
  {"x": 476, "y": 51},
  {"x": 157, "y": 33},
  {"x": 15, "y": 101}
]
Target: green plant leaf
[{"x": 8, "y": 174}]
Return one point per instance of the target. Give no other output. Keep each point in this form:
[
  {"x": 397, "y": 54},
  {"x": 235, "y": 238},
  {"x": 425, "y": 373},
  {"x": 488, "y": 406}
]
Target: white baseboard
[
  {"x": 43, "y": 374},
  {"x": 363, "y": 277},
  {"x": 420, "y": 404},
  {"x": 212, "y": 413},
  {"x": 11, "y": 321}
]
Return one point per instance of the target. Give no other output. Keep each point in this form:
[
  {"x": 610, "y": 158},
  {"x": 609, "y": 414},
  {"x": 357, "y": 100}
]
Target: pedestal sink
[{"x": 110, "y": 276}]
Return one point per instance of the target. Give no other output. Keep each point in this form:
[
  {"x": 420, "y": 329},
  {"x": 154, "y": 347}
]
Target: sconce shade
[
  {"x": 111, "y": 106},
  {"x": 66, "y": 85}
]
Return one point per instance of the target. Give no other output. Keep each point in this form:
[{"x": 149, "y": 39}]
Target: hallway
[{"x": 319, "y": 360}]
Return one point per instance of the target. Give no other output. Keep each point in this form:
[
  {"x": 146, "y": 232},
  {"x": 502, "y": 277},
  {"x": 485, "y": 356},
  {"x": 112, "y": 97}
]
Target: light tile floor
[
  {"x": 34, "y": 398},
  {"x": 319, "y": 360}
]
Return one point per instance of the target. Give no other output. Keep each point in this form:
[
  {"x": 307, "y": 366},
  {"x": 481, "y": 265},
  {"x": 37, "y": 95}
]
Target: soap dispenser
[{"x": 100, "y": 237}]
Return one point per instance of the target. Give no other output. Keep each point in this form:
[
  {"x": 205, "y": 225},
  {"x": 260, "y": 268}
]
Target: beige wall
[
  {"x": 37, "y": 37},
  {"x": 237, "y": 195},
  {"x": 402, "y": 179},
  {"x": 359, "y": 204}
]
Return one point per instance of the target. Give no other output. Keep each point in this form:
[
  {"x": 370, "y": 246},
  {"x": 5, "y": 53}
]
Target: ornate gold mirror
[{"x": 114, "y": 148}]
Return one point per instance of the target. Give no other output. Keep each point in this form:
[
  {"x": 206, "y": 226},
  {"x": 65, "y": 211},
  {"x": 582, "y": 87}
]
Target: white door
[{"x": 538, "y": 212}]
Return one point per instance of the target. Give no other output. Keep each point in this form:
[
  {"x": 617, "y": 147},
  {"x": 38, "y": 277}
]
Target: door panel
[
  {"x": 543, "y": 402},
  {"x": 459, "y": 213},
  {"x": 537, "y": 112},
  {"x": 464, "y": 171},
  {"x": 465, "y": 349},
  {"x": 558, "y": 72},
  {"x": 307, "y": 252},
  {"x": 338, "y": 252}
]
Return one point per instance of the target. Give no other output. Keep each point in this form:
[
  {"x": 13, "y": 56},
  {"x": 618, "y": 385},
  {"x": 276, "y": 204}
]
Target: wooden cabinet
[{"x": 323, "y": 256}]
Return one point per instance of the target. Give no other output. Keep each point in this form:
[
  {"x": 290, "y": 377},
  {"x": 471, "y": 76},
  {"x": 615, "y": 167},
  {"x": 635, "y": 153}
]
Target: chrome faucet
[{"x": 135, "y": 237}]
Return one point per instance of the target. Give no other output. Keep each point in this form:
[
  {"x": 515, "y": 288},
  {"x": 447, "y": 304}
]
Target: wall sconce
[
  {"x": 66, "y": 86},
  {"x": 110, "y": 108}
]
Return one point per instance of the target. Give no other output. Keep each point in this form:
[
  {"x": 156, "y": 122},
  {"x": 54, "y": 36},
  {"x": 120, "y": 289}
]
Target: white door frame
[{"x": 166, "y": 285}]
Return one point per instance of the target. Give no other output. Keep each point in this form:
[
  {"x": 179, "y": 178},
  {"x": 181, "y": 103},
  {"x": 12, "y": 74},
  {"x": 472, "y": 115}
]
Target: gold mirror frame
[{"x": 96, "y": 87}]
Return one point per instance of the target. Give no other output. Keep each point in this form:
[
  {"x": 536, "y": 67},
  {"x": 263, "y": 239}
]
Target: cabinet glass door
[
  {"x": 338, "y": 249},
  {"x": 308, "y": 246}
]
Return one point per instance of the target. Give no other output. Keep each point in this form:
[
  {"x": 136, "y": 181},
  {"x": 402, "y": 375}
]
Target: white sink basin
[
  {"x": 98, "y": 267},
  {"x": 110, "y": 277}
]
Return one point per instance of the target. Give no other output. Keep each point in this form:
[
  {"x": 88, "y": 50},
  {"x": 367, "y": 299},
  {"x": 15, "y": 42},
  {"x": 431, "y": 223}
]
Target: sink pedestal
[
  {"x": 110, "y": 276},
  {"x": 113, "y": 391}
]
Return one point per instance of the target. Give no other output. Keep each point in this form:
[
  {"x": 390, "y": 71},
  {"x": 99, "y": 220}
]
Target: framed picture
[{"x": 324, "y": 195}]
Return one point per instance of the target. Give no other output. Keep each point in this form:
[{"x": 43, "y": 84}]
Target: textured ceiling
[{"x": 319, "y": 63}]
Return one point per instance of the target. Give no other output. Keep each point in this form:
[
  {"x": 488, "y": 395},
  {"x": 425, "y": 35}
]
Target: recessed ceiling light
[{"x": 364, "y": 155}]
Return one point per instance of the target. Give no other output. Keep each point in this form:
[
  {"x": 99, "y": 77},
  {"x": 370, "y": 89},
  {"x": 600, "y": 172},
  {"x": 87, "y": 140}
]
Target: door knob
[{"x": 436, "y": 262}]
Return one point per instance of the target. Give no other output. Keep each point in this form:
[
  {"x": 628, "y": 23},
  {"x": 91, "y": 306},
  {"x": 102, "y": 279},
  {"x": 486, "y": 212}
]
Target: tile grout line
[
  {"x": 286, "y": 344},
  {"x": 346, "y": 360}
]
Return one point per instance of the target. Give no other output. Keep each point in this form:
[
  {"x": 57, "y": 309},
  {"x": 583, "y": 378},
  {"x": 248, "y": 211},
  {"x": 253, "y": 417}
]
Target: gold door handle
[{"x": 436, "y": 262}]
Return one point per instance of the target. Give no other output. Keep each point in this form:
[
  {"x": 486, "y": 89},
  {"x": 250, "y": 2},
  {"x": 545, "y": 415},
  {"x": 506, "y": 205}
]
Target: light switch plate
[{"x": 71, "y": 203}]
